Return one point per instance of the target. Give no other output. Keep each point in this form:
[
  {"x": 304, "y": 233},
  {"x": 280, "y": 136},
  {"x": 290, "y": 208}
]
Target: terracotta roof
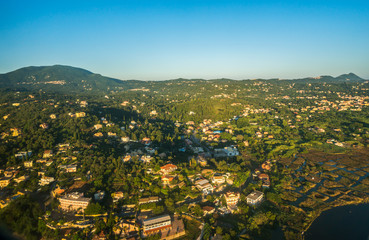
[{"x": 168, "y": 166}]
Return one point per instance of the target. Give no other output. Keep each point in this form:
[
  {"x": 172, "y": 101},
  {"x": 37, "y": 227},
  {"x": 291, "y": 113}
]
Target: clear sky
[{"x": 157, "y": 40}]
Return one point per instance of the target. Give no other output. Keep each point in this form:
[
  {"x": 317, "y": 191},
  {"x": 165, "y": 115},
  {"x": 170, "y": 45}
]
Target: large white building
[
  {"x": 204, "y": 186},
  {"x": 156, "y": 224},
  {"x": 46, "y": 180},
  {"x": 232, "y": 198},
  {"x": 231, "y": 151},
  {"x": 255, "y": 197},
  {"x": 74, "y": 202},
  {"x": 218, "y": 179}
]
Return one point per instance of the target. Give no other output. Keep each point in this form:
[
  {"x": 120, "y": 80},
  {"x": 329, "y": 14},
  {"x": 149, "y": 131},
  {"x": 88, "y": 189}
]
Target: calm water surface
[{"x": 348, "y": 222}]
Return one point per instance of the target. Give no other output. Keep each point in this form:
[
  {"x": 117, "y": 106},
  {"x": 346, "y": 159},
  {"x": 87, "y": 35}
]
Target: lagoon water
[{"x": 341, "y": 223}]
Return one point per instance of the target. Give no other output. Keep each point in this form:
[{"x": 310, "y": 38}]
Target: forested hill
[
  {"x": 350, "y": 77},
  {"x": 68, "y": 79},
  {"x": 60, "y": 78}
]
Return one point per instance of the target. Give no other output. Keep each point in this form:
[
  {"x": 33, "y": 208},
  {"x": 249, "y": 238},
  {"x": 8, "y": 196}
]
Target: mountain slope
[
  {"x": 61, "y": 79},
  {"x": 349, "y": 77}
]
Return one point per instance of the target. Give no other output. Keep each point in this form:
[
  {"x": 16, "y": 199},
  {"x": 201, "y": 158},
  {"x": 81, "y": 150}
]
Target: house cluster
[
  {"x": 317, "y": 130},
  {"x": 5, "y": 181},
  {"x": 48, "y": 154},
  {"x": 335, "y": 142},
  {"x": 264, "y": 134},
  {"x": 11, "y": 174},
  {"x": 347, "y": 103},
  {"x": 99, "y": 126},
  {"x": 230, "y": 151},
  {"x": 139, "y": 155},
  {"x": 77, "y": 115},
  {"x": 63, "y": 147},
  {"x": 229, "y": 206},
  {"x": 83, "y": 103},
  {"x": 44, "y": 125},
  {"x": 249, "y": 109},
  {"x": 117, "y": 196},
  {"x": 71, "y": 168},
  {"x": 23, "y": 155},
  {"x": 209, "y": 129},
  {"x": 7, "y": 200},
  {"x": 46, "y": 180},
  {"x": 167, "y": 175},
  {"x": 200, "y": 160},
  {"x": 261, "y": 174},
  {"x": 127, "y": 229}
]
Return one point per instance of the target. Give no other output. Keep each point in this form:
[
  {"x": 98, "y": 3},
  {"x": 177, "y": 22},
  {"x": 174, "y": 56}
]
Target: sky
[{"x": 159, "y": 40}]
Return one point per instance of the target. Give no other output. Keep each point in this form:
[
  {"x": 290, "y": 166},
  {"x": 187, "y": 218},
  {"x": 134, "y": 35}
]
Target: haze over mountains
[{"x": 61, "y": 78}]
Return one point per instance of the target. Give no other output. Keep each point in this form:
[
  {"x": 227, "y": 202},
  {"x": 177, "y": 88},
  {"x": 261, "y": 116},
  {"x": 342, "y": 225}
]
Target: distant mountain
[
  {"x": 61, "y": 79},
  {"x": 68, "y": 79},
  {"x": 349, "y": 77},
  {"x": 329, "y": 79}
]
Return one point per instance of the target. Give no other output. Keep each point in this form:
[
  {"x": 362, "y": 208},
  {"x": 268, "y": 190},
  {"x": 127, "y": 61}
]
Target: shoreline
[{"x": 363, "y": 201}]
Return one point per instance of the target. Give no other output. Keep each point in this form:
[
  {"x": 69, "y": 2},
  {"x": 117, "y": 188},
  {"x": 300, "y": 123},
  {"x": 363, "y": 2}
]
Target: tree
[
  {"x": 169, "y": 203},
  {"x": 21, "y": 215},
  {"x": 94, "y": 208},
  {"x": 207, "y": 232},
  {"x": 219, "y": 231}
]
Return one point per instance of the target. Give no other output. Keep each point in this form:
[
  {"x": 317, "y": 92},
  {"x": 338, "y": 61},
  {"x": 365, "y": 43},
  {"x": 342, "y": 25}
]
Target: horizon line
[{"x": 183, "y": 78}]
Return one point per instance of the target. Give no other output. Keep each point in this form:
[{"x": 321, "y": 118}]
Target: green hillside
[{"x": 61, "y": 79}]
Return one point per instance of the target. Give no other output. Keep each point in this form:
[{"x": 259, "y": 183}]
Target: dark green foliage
[
  {"x": 75, "y": 80},
  {"x": 94, "y": 208},
  {"x": 21, "y": 216}
]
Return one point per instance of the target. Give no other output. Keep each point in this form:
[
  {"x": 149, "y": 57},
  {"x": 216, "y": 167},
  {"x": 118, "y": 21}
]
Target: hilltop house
[
  {"x": 204, "y": 186},
  {"x": 99, "y": 195},
  {"x": 218, "y": 179},
  {"x": 23, "y": 154},
  {"x": 44, "y": 125},
  {"x": 4, "y": 181},
  {"x": 47, "y": 154},
  {"x": 80, "y": 114},
  {"x": 28, "y": 164},
  {"x": 46, "y": 180},
  {"x": 148, "y": 200},
  {"x": 116, "y": 196},
  {"x": 232, "y": 198},
  {"x": 231, "y": 151},
  {"x": 167, "y": 179},
  {"x": 98, "y": 134},
  {"x": 255, "y": 198},
  {"x": 168, "y": 168}
]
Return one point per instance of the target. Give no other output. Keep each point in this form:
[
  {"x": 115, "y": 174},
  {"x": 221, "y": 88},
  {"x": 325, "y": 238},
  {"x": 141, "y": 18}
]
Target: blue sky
[{"x": 157, "y": 40}]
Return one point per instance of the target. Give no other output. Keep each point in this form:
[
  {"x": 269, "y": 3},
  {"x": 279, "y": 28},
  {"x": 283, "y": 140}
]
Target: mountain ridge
[{"x": 72, "y": 79}]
